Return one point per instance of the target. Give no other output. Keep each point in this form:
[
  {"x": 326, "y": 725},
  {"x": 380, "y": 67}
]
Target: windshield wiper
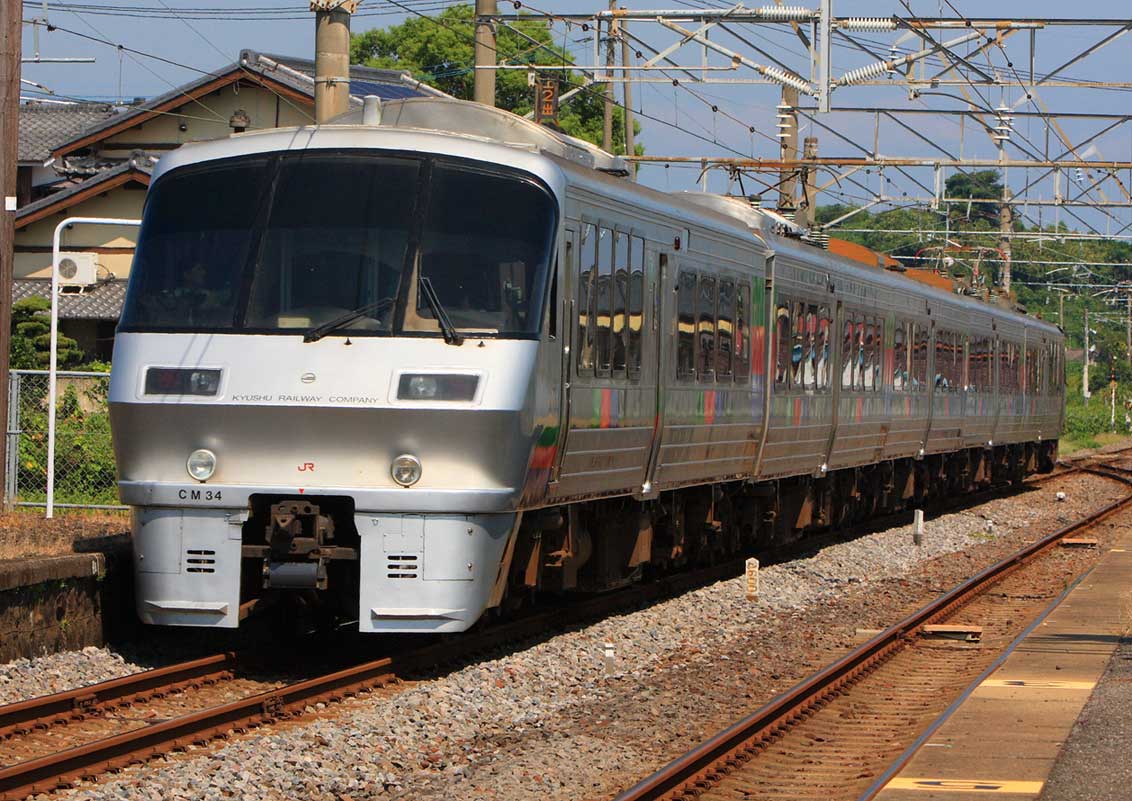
[
  {"x": 321, "y": 330},
  {"x": 451, "y": 335}
]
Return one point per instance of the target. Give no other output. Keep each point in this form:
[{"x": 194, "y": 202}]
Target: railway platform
[{"x": 1012, "y": 735}]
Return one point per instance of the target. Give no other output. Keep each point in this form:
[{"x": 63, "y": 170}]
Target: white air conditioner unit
[{"x": 78, "y": 269}]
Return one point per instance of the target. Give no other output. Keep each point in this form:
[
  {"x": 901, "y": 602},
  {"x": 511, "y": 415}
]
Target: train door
[
  {"x": 567, "y": 299},
  {"x": 655, "y": 357},
  {"x": 933, "y": 375},
  {"x": 837, "y": 357}
]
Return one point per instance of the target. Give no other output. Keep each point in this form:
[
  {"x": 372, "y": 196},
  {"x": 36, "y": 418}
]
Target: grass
[{"x": 1071, "y": 444}]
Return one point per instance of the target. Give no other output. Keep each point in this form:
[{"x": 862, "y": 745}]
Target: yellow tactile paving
[
  {"x": 1005, "y": 737},
  {"x": 966, "y": 785},
  {"x": 1039, "y": 684}
]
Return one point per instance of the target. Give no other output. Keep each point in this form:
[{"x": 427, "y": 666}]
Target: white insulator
[
  {"x": 787, "y": 79},
  {"x": 867, "y": 24},
  {"x": 786, "y": 13},
  {"x": 861, "y": 74}
]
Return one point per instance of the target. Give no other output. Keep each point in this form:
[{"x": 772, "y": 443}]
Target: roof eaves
[
  {"x": 146, "y": 109},
  {"x": 136, "y": 168}
]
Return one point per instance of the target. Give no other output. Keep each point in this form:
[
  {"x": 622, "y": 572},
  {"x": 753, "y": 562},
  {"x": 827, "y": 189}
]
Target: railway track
[
  {"x": 55, "y": 740},
  {"x": 839, "y": 733}
]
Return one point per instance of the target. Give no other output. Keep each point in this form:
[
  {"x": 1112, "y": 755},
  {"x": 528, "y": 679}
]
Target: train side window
[
  {"x": 869, "y": 381},
  {"x": 919, "y": 357},
  {"x": 860, "y": 360},
  {"x": 973, "y": 363},
  {"x": 899, "y": 358},
  {"x": 797, "y": 343},
  {"x": 552, "y": 310},
  {"x": 980, "y": 365},
  {"x": 686, "y": 325},
  {"x": 964, "y": 345},
  {"x": 944, "y": 379},
  {"x": 1005, "y": 384},
  {"x": 808, "y": 366},
  {"x": 782, "y": 344},
  {"x": 742, "y": 333},
  {"x": 619, "y": 329},
  {"x": 848, "y": 352},
  {"x": 603, "y": 308},
  {"x": 824, "y": 347},
  {"x": 725, "y": 327},
  {"x": 705, "y": 329},
  {"x": 587, "y": 264},
  {"x": 636, "y": 303}
]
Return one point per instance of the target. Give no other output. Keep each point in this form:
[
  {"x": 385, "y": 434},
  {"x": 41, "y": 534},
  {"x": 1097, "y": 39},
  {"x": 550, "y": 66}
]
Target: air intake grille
[
  {"x": 200, "y": 561},
  {"x": 402, "y": 566}
]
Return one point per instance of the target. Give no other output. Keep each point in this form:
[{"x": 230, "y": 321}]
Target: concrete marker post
[{"x": 752, "y": 579}]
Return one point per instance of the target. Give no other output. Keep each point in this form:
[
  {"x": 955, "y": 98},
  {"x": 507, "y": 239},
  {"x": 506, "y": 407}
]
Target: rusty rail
[
  {"x": 90, "y": 700},
  {"x": 54, "y": 770},
  {"x": 49, "y": 772},
  {"x": 699, "y": 768}
]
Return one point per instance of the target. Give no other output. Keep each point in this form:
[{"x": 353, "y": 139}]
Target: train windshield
[{"x": 284, "y": 244}]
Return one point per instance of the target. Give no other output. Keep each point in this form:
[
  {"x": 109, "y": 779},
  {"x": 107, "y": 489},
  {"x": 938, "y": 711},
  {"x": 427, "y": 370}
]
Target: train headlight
[
  {"x": 175, "y": 381},
  {"x": 406, "y": 470},
  {"x": 201, "y": 464},
  {"x": 437, "y": 387},
  {"x": 420, "y": 387}
]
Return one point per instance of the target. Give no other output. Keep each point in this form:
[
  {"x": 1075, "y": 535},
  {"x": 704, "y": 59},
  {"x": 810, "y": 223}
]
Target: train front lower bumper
[{"x": 418, "y": 573}]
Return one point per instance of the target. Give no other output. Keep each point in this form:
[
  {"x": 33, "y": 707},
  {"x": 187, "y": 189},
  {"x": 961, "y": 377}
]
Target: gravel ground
[
  {"x": 24, "y": 534},
  {"x": 1094, "y": 761},
  {"x": 27, "y": 678},
  {"x": 557, "y": 719}
]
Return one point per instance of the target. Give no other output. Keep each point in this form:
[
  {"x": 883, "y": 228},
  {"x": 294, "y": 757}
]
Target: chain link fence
[{"x": 84, "y": 458}]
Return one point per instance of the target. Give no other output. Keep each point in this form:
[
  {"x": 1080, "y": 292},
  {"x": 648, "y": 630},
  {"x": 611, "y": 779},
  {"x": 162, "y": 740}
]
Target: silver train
[{"x": 414, "y": 368}]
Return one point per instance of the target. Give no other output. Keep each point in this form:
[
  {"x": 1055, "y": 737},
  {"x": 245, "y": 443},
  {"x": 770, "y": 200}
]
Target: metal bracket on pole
[
  {"x": 53, "y": 364},
  {"x": 349, "y": 6}
]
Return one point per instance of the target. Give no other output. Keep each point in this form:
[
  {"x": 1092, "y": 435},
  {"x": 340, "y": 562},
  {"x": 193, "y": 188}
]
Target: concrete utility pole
[
  {"x": 627, "y": 90},
  {"x": 809, "y": 202},
  {"x": 483, "y": 90},
  {"x": 1085, "y": 369},
  {"x": 1005, "y": 228},
  {"x": 1128, "y": 325},
  {"x": 11, "y": 14},
  {"x": 331, "y": 57},
  {"x": 788, "y": 149},
  {"x": 607, "y": 111}
]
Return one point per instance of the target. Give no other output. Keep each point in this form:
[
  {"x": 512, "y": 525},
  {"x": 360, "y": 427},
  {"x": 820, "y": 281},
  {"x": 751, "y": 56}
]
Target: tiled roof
[
  {"x": 138, "y": 162},
  {"x": 44, "y": 126},
  {"x": 386, "y": 84},
  {"x": 103, "y": 301},
  {"x": 294, "y": 73}
]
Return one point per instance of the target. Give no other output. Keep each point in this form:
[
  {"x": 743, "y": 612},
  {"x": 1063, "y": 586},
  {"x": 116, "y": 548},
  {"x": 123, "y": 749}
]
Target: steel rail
[
  {"x": 49, "y": 772},
  {"x": 700, "y": 767},
  {"x": 92, "y": 699}
]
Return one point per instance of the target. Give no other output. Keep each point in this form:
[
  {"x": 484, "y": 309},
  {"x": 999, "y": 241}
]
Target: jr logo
[{"x": 306, "y": 467}]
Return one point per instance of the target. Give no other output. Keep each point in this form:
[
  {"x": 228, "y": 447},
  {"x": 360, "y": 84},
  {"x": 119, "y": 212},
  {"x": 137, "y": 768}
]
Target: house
[{"x": 97, "y": 162}]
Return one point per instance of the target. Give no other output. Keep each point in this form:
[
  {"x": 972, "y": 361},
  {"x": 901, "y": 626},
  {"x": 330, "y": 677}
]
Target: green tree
[
  {"x": 31, "y": 337},
  {"x": 980, "y": 184},
  {"x": 438, "y": 50}
]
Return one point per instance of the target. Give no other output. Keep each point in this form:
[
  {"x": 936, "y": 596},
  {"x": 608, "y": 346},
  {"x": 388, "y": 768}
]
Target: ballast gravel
[
  {"x": 27, "y": 678},
  {"x": 585, "y": 712}
]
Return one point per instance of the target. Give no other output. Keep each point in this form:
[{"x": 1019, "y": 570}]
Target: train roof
[{"x": 479, "y": 131}]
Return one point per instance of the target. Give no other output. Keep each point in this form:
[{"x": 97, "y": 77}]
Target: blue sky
[{"x": 207, "y": 44}]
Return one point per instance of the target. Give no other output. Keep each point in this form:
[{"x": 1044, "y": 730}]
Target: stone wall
[{"x": 58, "y": 603}]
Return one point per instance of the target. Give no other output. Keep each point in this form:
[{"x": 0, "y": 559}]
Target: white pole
[{"x": 52, "y": 367}]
